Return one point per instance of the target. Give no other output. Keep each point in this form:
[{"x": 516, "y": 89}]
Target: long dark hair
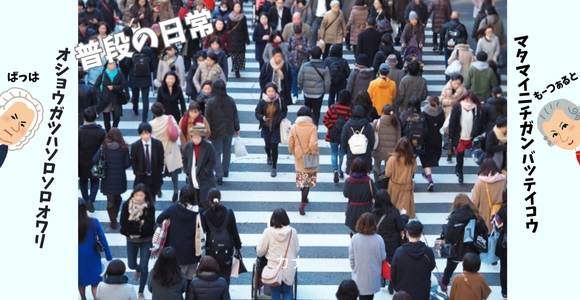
[
  {"x": 141, "y": 187},
  {"x": 84, "y": 221},
  {"x": 166, "y": 270},
  {"x": 389, "y": 110},
  {"x": 471, "y": 96},
  {"x": 176, "y": 85},
  {"x": 405, "y": 150},
  {"x": 115, "y": 135}
]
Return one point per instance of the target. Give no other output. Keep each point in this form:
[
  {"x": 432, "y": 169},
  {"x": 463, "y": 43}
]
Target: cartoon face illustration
[
  {"x": 559, "y": 123},
  {"x": 15, "y": 122},
  {"x": 20, "y": 118}
]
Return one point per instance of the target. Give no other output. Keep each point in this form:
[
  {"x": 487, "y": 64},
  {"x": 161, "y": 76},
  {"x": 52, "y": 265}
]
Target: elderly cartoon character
[
  {"x": 20, "y": 118},
  {"x": 559, "y": 123}
]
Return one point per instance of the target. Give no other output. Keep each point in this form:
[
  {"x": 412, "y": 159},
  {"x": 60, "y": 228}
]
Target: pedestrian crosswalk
[{"x": 253, "y": 194}]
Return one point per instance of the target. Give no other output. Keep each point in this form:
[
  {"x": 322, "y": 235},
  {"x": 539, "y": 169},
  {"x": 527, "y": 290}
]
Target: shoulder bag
[
  {"x": 272, "y": 276},
  {"x": 310, "y": 160}
]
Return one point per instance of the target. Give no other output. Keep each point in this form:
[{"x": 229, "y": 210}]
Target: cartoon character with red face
[{"x": 20, "y": 118}]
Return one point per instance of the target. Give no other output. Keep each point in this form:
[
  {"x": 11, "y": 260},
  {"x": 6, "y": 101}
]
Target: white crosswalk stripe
[{"x": 319, "y": 275}]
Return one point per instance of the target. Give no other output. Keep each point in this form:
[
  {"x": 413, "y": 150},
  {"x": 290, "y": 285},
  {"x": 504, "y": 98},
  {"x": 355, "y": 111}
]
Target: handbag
[
  {"x": 272, "y": 276},
  {"x": 285, "y": 127},
  {"x": 453, "y": 68},
  {"x": 98, "y": 170},
  {"x": 99, "y": 245},
  {"x": 386, "y": 270},
  {"x": 310, "y": 160},
  {"x": 239, "y": 147},
  {"x": 172, "y": 131},
  {"x": 489, "y": 257},
  {"x": 238, "y": 266}
]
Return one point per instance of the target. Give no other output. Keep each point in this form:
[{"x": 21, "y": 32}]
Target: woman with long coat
[
  {"x": 199, "y": 161},
  {"x": 141, "y": 13},
  {"x": 357, "y": 21},
  {"x": 360, "y": 190},
  {"x": 432, "y": 140},
  {"x": 400, "y": 169},
  {"x": 115, "y": 154},
  {"x": 239, "y": 37},
  {"x": 220, "y": 33},
  {"x": 261, "y": 37},
  {"x": 170, "y": 95},
  {"x": 172, "y": 160},
  {"x": 111, "y": 86},
  {"x": 277, "y": 70},
  {"x": 486, "y": 193},
  {"x": 358, "y": 122},
  {"x": 304, "y": 140},
  {"x": 388, "y": 131}
]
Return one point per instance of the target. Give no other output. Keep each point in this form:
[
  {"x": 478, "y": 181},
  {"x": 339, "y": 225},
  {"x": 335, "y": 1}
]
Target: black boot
[{"x": 238, "y": 74}]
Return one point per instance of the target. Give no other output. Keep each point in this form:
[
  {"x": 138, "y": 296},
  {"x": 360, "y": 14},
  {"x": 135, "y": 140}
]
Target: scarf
[
  {"x": 112, "y": 74},
  {"x": 499, "y": 135},
  {"x": 468, "y": 106},
  {"x": 277, "y": 73},
  {"x": 432, "y": 111},
  {"x": 136, "y": 210},
  {"x": 235, "y": 17}
]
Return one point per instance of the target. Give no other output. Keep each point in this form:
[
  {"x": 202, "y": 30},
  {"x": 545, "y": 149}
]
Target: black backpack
[
  {"x": 221, "y": 242},
  {"x": 336, "y": 76},
  {"x": 414, "y": 130},
  {"x": 141, "y": 65},
  {"x": 335, "y": 132},
  {"x": 453, "y": 34}
]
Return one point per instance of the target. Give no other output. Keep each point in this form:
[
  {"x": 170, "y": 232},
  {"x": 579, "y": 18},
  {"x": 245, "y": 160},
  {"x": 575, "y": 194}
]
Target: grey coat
[
  {"x": 366, "y": 254},
  {"x": 359, "y": 80},
  {"x": 313, "y": 85},
  {"x": 411, "y": 92}
]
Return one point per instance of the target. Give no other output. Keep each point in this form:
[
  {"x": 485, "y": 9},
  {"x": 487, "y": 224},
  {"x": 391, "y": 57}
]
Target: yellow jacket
[{"x": 383, "y": 91}]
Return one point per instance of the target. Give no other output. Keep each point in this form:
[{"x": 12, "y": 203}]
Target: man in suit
[
  {"x": 91, "y": 136},
  {"x": 147, "y": 160},
  {"x": 279, "y": 15},
  {"x": 199, "y": 161}
]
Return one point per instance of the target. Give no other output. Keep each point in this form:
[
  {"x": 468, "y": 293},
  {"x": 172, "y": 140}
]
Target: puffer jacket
[
  {"x": 208, "y": 286},
  {"x": 480, "y": 79},
  {"x": 273, "y": 245},
  {"x": 310, "y": 81},
  {"x": 357, "y": 22},
  {"x": 388, "y": 136},
  {"x": 359, "y": 80}
]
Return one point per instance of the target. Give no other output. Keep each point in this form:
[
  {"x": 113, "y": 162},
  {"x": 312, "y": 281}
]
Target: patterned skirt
[
  {"x": 305, "y": 179},
  {"x": 238, "y": 61}
]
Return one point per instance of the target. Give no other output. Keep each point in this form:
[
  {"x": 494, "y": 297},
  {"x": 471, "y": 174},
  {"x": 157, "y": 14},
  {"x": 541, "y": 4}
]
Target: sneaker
[
  {"x": 220, "y": 181},
  {"x": 430, "y": 187},
  {"x": 341, "y": 174},
  {"x": 335, "y": 177},
  {"x": 273, "y": 172}
]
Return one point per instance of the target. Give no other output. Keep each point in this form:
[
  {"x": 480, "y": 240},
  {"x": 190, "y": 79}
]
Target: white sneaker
[{"x": 294, "y": 99}]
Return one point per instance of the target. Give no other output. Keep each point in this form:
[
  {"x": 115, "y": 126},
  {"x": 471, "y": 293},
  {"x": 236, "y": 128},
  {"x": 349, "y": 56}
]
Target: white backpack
[{"x": 358, "y": 142}]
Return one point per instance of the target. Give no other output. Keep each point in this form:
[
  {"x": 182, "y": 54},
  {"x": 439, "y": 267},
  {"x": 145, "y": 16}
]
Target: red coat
[{"x": 332, "y": 115}]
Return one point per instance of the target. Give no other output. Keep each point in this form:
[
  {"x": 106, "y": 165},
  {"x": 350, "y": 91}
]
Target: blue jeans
[
  {"x": 223, "y": 147},
  {"x": 294, "y": 72},
  {"x": 144, "y": 254},
  {"x": 84, "y": 187},
  {"x": 336, "y": 156},
  {"x": 284, "y": 289}
]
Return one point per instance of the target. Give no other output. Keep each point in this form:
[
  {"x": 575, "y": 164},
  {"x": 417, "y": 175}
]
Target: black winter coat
[
  {"x": 204, "y": 168},
  {"x": 493, "y": 146},
  {"x": 208, "y": 286},
  {"x": 411, "y": 268},
  {"x": 390, "y": 229},
  {"x": 273, "y": 17},
  {"x": 452, "y": 25},
  {"x": 239, "y": 35},
  {"x": 356, "y": 124},
  {"x": 266, "y": 77},
  {"x": 115, "y": 96},
  {"x": 339, "y": 69},
  {"x": 181, "y": 234},
  {"x": 432, "y": 139},
  {"x": 421, "y": 10},
  {"x": 91, "y": 138},
  {"x": 381, "y": 57},
  {"x": 116, "y": 162},
  {"x": 368, "y": 42},
  {"x": 144, "y": 230},
  {"x": 455, "y": 123},
  {"x": 491, "y": 110},
  {"x": 172, "y": 102},
  {"x": 455, "y": 238},
  {"x": 87, "y": 98},
  {"x": 141, "y": 81},
  {"x": 222, "y": 115},
  {"x": 259, "y": 32}
]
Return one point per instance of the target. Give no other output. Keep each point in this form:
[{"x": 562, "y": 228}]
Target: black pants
[
  {"x": 135, "y": 100},
  {"x": 272, "y": 152},
  {"x": 398, "y": 37},
  {"x": 435, "y": 39},
  {"x": 460, "y": 156},
  {"x": 314, "y": 104},
  {"x": 107, "y": 120},
  {"x": 366, "y": 297},
  {"x": 89, "y": 194},
  {"x": 449, "y": 269},
  {"x": 503, "y": 274},
  {"x": 326, "y": 50}
]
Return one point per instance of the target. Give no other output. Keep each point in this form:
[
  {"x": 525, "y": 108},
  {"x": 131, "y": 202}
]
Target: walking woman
[
  {"x": 92, "y": 241},
  {"x": 487, "y": 190},
  {"x": 390, "y": 224},
  {"x": 170, "y": 61},
  {"x": 334, "y": 119},
  {"x": 304, "y": 140},
  {"x": 166, "y": 281},
  {"x": 199, "y": 161},
  {"x": 138, "y": 225},
  {"x": 277, "y": 70},
  {"x": 172, "y": 160},
  {"x": 219, "y": 32},
  {"x": 401, "y": 167},
  {"x": 115, "y": 284},
  {"x": 388, "y": 130},
  {"x": 115, "y": 154},
  {"x": 360, "y": 191},
  {"x": 464, "y": 125},
  {"x": 193, "y": 117},
  {"x": 141, "y": 14},
  {"x": 450, "y": 95},
  {"x": 111, "y": 86},
  {"x": 185, "y": 231},
  {"x": 209, "y": 70},
  {"x": 366, "y": 254},
  {"x": 434, "y": 118},
  {"x": 207, "y": 283},
  {"x": 171, "y": 96},
  {"x": 261, "y": 37},
  {"x": 279, "y": 244},
  {"x": 238, "y": 31},
  {"x": 222, "y": 236},
  {"x": 357, "y": 22},
  {"x": 270, "y": 112}
]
